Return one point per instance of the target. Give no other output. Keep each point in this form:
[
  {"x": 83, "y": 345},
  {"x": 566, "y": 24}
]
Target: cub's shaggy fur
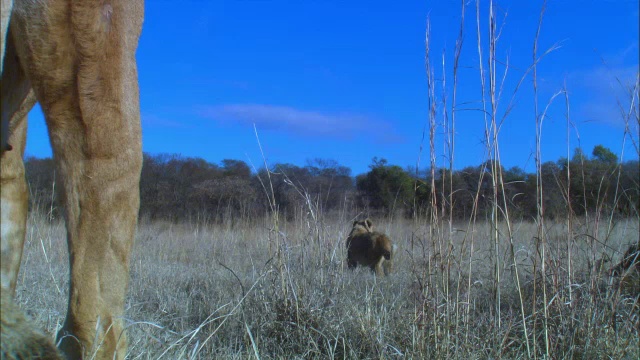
[{"x": 369, "y": 248}]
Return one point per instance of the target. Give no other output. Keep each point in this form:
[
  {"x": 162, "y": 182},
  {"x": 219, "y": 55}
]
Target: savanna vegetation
[
  {"x": 178, "y": 189},
  {"x": 232, "y": 262}
]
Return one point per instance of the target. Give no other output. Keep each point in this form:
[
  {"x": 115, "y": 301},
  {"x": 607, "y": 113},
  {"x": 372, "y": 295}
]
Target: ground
[{"x": 215, "y": 291}]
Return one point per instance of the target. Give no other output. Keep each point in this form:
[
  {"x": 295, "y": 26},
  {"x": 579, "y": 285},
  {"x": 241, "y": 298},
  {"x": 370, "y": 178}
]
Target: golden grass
[{"x": 214, "y": 292}]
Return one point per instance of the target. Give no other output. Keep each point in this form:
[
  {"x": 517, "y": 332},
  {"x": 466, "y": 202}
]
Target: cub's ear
[
  {"x": 369, "y": 224},
  {"x": 355, "y": 222}
]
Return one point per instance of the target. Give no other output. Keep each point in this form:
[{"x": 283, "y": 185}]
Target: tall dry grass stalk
[{"x": 550, "y": 261}]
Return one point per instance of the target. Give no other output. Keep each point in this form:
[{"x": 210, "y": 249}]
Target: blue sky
[{"x": 345, "y": 80}]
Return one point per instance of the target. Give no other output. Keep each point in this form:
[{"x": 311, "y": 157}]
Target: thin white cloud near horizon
[
  {"x": 151, "y": 120},
  {"x": 608, "y": 93},
  {"x": 302, "y": 122}
]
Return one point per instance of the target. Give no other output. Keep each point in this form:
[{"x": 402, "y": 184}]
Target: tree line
[{"x": 180, "y": 188}]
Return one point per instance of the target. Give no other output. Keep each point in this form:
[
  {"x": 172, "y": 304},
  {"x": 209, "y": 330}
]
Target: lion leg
[
  {"x": 17, "y": 100},
  {"x": 20, "y": 340},
  {"x": 377, "y": 267},
  {"x": 14, "y": 206},
  {"x": 387, "y": 266},
  {"x": 80, "y": 58},
  {"x": 351, "y": 261},
  {"x": 5, "y": 13}
]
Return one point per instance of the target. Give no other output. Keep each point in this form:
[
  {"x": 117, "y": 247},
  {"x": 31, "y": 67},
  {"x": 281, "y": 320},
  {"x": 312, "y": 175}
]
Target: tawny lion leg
[
  {"x": 13, "y": 189},
  {"x": 5, "y": 13},
  {"x": 80, "y": 58},
  {"x": 378, "y": 267},
  {"x": 387, "y": 266},
  {"x": 17, "y": 100}
]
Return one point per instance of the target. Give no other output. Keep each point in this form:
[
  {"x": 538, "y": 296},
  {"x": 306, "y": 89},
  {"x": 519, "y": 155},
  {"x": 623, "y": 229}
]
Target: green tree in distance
[{"x": 603, "y": 154}]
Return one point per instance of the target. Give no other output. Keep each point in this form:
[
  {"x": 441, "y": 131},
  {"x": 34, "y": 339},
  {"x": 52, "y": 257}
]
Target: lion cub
[{"x": 369, "y": 248}]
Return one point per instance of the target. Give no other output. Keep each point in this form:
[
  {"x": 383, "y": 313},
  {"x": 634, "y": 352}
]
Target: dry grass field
[{"x": 202, "y": 291}]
